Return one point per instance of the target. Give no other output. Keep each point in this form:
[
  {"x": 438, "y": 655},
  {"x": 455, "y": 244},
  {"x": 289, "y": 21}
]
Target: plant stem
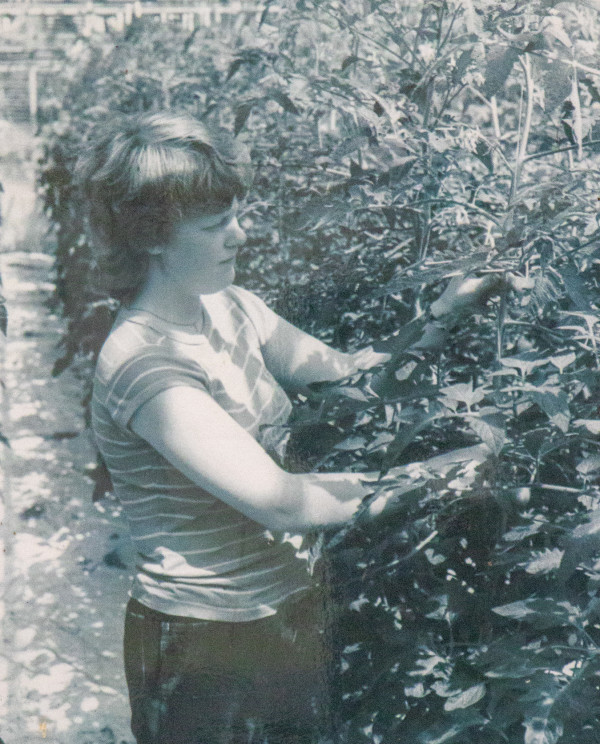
[
  {"x": 500, "y": 318},
  {"x": 440, "y": 19},
  {"x": 524, "y": 137},
  {"x": 566, "y": 489}
]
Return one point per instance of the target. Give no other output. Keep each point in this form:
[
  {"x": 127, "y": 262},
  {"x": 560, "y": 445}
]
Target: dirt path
[{"x": 63, "y": 595}]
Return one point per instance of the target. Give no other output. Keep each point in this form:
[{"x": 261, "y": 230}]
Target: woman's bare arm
[
  {"x": 297, "y": 359},
  {"x": 188, "y": 428}
]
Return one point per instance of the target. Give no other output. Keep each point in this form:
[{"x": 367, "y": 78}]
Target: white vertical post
[
  {"x": 86, "y": 28},
  {"x": 119, "y": 22},
  {"x": 204, "y": 15},
  {"x": 33, "y": 92}
]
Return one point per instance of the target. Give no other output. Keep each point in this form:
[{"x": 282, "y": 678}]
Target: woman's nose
[{"x": 236, "y": 236}]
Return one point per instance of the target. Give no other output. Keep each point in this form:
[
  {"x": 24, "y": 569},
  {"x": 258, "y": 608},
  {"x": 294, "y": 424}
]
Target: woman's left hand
[{"x": 467, "y": 294}]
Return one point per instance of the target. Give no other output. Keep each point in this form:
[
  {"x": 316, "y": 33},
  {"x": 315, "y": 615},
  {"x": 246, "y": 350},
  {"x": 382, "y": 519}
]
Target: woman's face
[{"x": 200, "y": 256}]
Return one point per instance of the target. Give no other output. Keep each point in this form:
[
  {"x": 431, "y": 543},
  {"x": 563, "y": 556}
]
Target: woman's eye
[{"x": 221, "y": 223}]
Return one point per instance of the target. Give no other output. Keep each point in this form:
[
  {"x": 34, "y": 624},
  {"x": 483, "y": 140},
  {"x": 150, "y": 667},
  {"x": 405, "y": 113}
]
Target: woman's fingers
[
  {"x": 367, "y": 358},
  {"x": 519, "y": 283},
  {"x": 465, "y": 292}
]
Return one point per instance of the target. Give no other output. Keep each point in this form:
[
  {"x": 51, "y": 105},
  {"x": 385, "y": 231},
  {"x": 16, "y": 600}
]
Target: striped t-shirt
[{"x": 196, "y": 556}]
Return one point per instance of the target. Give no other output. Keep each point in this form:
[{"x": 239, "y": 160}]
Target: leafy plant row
[{"x": 397, "y": 144}]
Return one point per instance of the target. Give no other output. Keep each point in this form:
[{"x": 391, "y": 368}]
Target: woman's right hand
[{"x": 402, "y": 480}]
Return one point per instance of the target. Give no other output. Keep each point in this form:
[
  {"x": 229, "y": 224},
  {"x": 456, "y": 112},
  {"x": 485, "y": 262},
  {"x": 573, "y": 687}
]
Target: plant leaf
[
  {"x": 463, "y": 392},
  {"x": 242, "y": 113},
  {"x": 514, "y": 610},
  {"x": 233, "y": 68},
  {"x": 525, "y": 362},
  {"x": 554, "y": 28},
  {"x": 484, "y": 153},
  {"x": 284, "y": 101},
  {"x": 462, "y": 65},
  {"x": 351, "y": 444},
  {"x": 407, "y": 435},
  {"x": 544, "y": 561},
  {"x": 466, "y": 698},
  {"x": 563, "y": 360},
  {"x": 473, "y": 22},
  {"x": 350, "y": 60},
  {"x": 589, "y": 528},
  {"x": 555, "y": 78},
  {"x": 576, "y": 289},
  {"x": 3, "y": 316},
  {"x": 499, "y": 64},
  {"x": 344, "y": 391},
  {"x": 264, "y": 15},
  {"x": 589, "y": 465},
  {"x": 556, "y": 406},
  {"x": 540, "y": 730},
  {"x": 490, "y": 428},
  {"x": 592, "y": 425},
  {"x": 544, "y": 612}
]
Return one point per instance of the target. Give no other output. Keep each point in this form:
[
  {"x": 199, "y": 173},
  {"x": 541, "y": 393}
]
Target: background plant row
[{"x": 396, "y": 144}]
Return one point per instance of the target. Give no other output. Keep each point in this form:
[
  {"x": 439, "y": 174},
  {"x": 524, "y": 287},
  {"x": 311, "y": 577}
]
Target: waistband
[{"x": 311, "y": 608}]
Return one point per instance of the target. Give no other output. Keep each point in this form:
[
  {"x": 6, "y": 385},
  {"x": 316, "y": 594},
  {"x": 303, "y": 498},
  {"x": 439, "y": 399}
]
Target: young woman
[{"x": 221, "y": 642}]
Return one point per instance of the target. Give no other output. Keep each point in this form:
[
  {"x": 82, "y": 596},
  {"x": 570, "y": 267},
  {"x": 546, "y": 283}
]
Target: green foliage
[{"x": 397, "y": 144}]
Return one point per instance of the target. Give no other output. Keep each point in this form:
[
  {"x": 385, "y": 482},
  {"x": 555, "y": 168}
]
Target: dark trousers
[{"x": 205, "y": 682}]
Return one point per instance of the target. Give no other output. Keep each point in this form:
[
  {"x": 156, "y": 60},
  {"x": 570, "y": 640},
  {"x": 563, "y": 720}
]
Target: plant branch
[
  {"x": 465, "y": 205},
  {"x": 448, "y": 99},
  {"x": 570, "y": 63},
  {"x": 398, "y": 39},
  {"x": 442, "y": 43},
  {"x": 545, "y": 153},
  {"x": 363, "y": 35}
]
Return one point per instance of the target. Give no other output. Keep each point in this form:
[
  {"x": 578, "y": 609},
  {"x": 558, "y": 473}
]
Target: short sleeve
[
  {"x": 145, "y": 375},
  {"x": 263, "y": 318}
]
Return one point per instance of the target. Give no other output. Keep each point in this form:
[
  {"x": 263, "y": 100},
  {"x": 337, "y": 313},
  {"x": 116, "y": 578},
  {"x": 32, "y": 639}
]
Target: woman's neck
[{"x": 169, "y": 302}]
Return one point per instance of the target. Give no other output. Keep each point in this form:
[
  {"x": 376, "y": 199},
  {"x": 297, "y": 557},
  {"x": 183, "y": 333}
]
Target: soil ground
[{"x": 64, "y": 580}]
